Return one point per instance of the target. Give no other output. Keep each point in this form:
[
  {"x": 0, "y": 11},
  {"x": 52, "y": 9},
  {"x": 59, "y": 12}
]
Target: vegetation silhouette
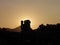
[{"x": 44, "y": 35}]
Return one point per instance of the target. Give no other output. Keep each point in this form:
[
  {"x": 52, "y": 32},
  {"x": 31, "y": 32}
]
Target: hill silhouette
[{"x": 17, "y": 29}]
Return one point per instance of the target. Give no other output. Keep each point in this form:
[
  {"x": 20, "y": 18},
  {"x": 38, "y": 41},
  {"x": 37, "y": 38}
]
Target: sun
[{"x": 28, "y": 18}]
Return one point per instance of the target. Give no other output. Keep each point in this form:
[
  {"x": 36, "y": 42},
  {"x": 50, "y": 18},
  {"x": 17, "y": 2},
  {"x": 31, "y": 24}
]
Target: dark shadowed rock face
[{"x": 25, "y": 26}]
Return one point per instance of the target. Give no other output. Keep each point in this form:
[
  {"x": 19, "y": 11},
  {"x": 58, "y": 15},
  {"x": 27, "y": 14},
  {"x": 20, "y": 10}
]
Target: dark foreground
[{"x": 29, "y": 38}]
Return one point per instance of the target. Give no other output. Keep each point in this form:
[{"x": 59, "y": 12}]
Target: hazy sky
[{"x": 38, "y": 11}]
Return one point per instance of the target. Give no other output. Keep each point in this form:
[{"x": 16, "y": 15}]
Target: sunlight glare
[{"x": 28, "y": 18}]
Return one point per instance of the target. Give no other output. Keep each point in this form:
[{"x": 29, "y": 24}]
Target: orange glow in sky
[
  {"x": 38, "y": 11},
  {"x": 28, "y": 17}
]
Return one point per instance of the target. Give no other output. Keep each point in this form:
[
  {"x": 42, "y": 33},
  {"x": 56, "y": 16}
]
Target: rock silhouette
[
  {"x": 25, "y": 26},
  {"x": 48, "y": 34}
]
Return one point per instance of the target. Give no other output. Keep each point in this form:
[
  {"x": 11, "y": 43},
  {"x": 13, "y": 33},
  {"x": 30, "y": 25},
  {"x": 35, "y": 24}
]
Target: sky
[{"x": 38, "y": 11}]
